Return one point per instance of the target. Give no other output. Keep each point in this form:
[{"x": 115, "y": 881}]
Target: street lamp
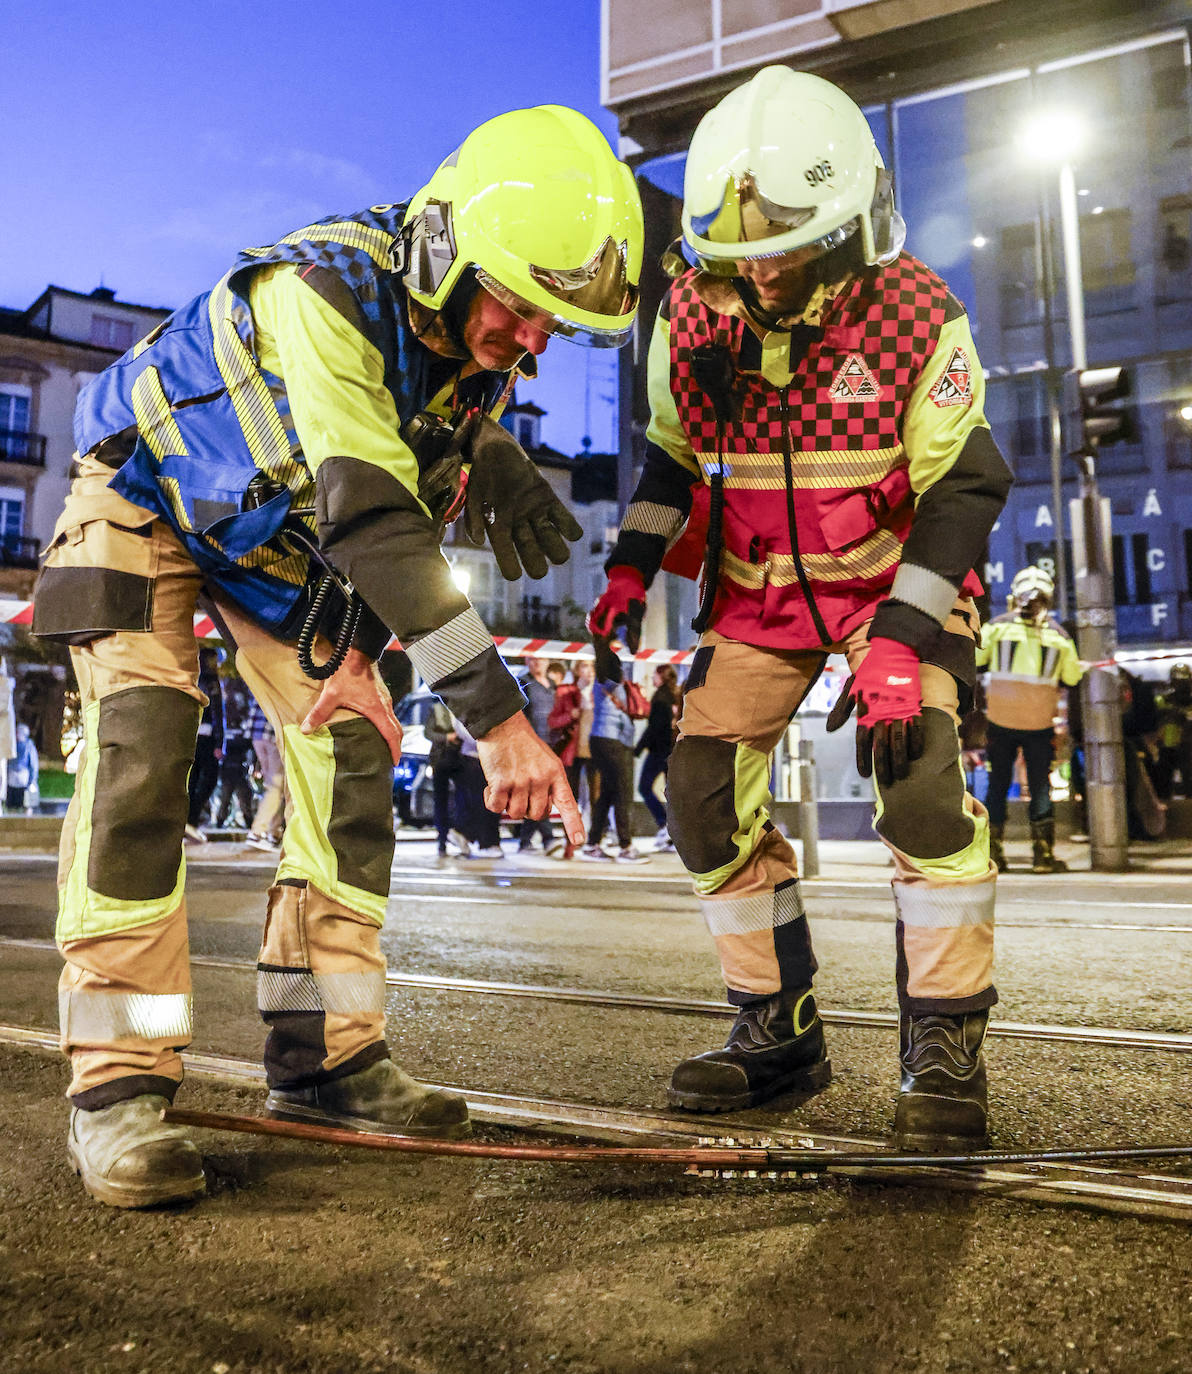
[{"x": 1053, "y": 138}]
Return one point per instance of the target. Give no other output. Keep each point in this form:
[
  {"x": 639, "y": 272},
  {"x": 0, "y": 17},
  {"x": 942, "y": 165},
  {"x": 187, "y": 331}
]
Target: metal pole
[
  {"x": 1073, "y": 274},
  {"x": 1100, "y": 689},
  {"x": 1054, "y": 413},
  {"x": 1096, "y": 626},
  {"x": 808, "y": 809}
]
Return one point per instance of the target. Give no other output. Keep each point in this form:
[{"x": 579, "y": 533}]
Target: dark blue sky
[{"x": 146, "y": 143}]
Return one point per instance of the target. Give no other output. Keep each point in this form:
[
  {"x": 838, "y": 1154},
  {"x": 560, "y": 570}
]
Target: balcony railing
[
  {"x": 19, "y": 446},
  {"x": 18, "y": 552}
]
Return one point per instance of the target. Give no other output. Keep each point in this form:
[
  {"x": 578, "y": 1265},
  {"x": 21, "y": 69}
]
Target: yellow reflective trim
[
  {"x": 173, "y": 494},
  {"x": 155, "y": 419},
  {"x": 818, "y": 469},
  {"x": 307, "y": 853},
  {"x": 878, "y": 554},
  {"x": 751, "y": 798},
  {"x": 375, "y": 242},
  {"x": 256, "y": 410},
  {"x": 83, "y": 912}
]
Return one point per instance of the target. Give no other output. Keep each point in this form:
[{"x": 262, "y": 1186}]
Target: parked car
[{"x": 413, "y": 795}]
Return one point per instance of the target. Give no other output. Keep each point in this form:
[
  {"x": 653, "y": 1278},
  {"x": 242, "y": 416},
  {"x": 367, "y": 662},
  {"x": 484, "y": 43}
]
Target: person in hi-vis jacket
[
  {"x": 291, "y": 444},
  {"x": 816, "y": 410}
]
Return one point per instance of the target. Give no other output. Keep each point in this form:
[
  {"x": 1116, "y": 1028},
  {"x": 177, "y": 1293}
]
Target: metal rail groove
[
  {"x": 1133, "y": 1193},
  {"x": 1176, "y": 1042}
]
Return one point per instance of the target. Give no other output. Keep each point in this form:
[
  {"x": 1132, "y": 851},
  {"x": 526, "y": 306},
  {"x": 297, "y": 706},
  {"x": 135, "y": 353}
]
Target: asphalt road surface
[{"x": 305, "y": 1257}]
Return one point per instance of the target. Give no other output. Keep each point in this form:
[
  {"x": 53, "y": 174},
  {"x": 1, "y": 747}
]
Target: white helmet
[
  {"x": 786, "y": 161},
  {"x": 1033, "y": 584}
]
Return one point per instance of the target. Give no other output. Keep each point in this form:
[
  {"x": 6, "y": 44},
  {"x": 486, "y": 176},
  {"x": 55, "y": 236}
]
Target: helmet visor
[
  {"x": 599, "y": 287},
  {"x": 785, "y": 258},
  {"x": 746, "y": 220}
]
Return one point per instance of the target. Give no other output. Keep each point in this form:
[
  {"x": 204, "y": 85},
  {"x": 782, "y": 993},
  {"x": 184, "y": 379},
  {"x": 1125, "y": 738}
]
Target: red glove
[
  {"x": 623, "y": 601},
  {"x": 889, "y": 711}
]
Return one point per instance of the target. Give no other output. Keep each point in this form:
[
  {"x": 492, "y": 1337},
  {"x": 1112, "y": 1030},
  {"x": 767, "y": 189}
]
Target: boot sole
[
  {"x": 807, "y": 1081},
  {"x": 920, "y": 1142},
  {"x": 287, "y": 1111},
  {"x": 133, "y": 1195}
]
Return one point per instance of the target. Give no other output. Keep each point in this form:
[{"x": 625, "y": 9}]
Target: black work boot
[
  {"x": 942, "y": 1098},
  {"x": 1043, "y": 858},
  {"x": 776, "y": 1045},
  {"x": 997, "y": 848},
  {"x": 381, "y": 1098}
]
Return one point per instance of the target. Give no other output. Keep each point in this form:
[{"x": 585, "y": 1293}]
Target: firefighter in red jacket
[{"x": 823, "y": 386}]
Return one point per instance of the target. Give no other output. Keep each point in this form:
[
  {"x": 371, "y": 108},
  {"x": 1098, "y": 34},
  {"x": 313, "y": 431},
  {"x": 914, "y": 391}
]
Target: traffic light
[{"x": 1092, "y": 411}]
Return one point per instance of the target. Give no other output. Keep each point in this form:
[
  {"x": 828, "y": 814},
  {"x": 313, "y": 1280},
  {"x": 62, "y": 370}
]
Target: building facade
[
  {"x": 949, "y": 99},
  {"x": 47, "y": 354}
]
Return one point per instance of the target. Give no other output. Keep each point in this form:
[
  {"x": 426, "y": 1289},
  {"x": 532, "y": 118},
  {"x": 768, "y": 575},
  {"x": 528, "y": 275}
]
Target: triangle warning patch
[
  {"x": 854, "y": 381},
  {"x": 954, "y": 386}
]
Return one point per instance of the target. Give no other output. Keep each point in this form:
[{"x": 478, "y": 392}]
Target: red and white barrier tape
[{"x": 510, "y": 646}]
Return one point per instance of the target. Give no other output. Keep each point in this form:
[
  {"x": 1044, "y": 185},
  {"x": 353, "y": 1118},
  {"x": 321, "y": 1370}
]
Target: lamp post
[{"x": 1055, "y": 137}]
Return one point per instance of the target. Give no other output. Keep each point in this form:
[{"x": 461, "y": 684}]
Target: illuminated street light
[
  {"x": 1053, "y": 139},
  {"x": 1053, "y": 136},
  {"x": 461, "y": 577},
  {"x": 980, "y": 241}
]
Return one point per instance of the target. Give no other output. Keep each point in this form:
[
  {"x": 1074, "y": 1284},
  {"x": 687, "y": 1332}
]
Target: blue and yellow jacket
[{"x": 276, "y": 400}]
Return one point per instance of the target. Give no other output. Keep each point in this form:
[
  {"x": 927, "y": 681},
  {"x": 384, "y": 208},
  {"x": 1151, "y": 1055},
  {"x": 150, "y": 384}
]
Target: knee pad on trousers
[
  {"x": 361, "y": 826},
  {"x": 924, "y": 815},
  {"x": 146, "y": 738},
  {"x": 702, "y": 802}
]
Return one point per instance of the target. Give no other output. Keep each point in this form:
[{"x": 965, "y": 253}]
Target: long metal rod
[
  {"x": 701, "y": 1156},
  {"x": 1130, "y": 1193}
]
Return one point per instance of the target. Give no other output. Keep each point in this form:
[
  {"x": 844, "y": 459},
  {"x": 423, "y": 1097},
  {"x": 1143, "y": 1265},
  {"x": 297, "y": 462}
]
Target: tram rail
[
  {"x": 1134, "y": 1192},
  {"x": 1176, "y": 1042}
]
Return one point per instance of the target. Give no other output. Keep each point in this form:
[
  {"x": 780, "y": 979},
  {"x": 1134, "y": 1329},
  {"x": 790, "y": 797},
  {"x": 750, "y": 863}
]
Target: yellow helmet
[
  {"x": 786, "y": 162},
  {"x": 538, "y": 204}
]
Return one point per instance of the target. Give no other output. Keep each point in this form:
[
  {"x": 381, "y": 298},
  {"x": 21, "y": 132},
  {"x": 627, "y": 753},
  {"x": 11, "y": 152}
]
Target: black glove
[
  {"x": 509, "y": 498},
  {"x": 608, "y": 664}
]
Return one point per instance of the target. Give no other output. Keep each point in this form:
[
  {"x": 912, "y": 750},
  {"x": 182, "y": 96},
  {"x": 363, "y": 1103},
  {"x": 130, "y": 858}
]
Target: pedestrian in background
[
  {"x": 571, "y": 733},
  {"x": 235, "y": 767},
  {"x": 478, "y": 825},
  {"x": 204, "y": 772},
  {"x": 540, "y": 702},
  {"x": 268, "y": 820},
  {"x": 8, "y": 725},
  {"x": 657, "y": 741},
  {"x": 1174, "y": 704},
  {"x": 1028, "y": 658},
  {"x": 22, "y": 771},
  {"x": 445, "y": 762},
  {"x": 612, "y": 754}
]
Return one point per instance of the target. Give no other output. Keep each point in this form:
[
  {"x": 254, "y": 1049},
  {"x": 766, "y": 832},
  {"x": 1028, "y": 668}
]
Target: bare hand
[
  {"x": 357, "y": 686},
  {"x": 525, "y": 776}
]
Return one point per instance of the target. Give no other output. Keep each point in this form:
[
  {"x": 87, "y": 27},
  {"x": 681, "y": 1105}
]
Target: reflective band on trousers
[
  {"x": 961, "y": 904},
  {"x": 343, "y": 994},
  {"x": 448, "y": 648},
  {"x": 104, "y": 1017},
  {"x": 758, "y": 911}
]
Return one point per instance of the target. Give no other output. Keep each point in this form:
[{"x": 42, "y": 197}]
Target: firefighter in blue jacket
[{"x": 290, "y": 445}]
